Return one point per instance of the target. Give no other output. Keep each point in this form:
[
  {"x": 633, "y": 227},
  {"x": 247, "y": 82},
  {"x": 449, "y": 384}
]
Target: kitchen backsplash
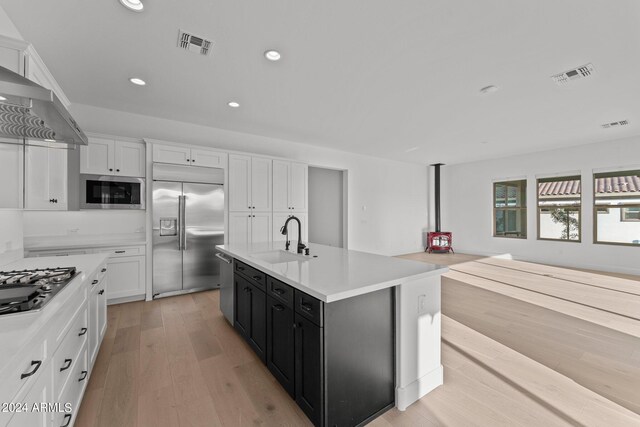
[
  {"x": 11, "y": 240},
  {"x": 98, "y": 222}
]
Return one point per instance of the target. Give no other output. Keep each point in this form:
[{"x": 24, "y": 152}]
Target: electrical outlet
[{"x": 73, "y": 230}]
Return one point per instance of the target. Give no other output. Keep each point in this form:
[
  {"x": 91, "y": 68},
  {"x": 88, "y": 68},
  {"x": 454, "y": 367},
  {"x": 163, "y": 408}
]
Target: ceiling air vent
[
  {"x": 615, "y": 124},
  {"x": 575, "y": 74},
  {"x": 192, "y": 43}
]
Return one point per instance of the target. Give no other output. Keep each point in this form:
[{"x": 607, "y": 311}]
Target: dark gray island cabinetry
[{"x": 335, "y": 359}]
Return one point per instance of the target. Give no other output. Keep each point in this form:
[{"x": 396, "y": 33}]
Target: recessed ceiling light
[
  {"x": 272, "y": 55},
  {"x": 134, "y": 5},
  {"x": 233, "y": 104},
  {"x": 488, "y": 89},
  {"x": 2, "y": 98},
  {"x": 411, "y": 149},
  {"x": 49, "y": 140},
  {"x": 137, "y": 81}
]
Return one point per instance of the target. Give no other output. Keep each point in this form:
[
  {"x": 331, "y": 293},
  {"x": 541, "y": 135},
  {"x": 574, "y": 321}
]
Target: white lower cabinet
[
  {"x": 41, "y": 392},
  {"x": 47, "y": 384},
  {"x": 250, "y": 227},
  {"x": 126, "y": 264},
  {"x": 126, "y": 276}
]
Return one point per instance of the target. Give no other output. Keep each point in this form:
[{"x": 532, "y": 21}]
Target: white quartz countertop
[
  {"x": 79, "y": 241},
  {"x": 18, "y": 329},
  {"x": 336, "y": 273}
]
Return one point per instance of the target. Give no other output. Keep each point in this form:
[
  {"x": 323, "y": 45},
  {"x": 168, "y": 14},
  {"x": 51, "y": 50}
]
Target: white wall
[
  {"x": 11, "y": 246},
  {"x": 467, "y": 205},
  {"x": 387, "y": 199}
]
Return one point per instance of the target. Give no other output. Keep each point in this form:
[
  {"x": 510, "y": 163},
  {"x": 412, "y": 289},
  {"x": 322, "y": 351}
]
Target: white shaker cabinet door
[
  {"x": 298, "y": 187},
  {"x": 240, "y": 227},
  {"x": 97, "y": 158},
  {"x": 126, "y": 276},
  {"x": 129, "y": 159},
  {"x": 261, "y": 184},
  {"x": 171, "y": 154},
  {"x": 41, "y": 392},
  {"x": 239, "y": 183},
  {"x": 46, "y": 177},
  {"x": 208, "y": 158},
  {"x": 261, "y": 226},
  {"x": 281, "y": 172}
]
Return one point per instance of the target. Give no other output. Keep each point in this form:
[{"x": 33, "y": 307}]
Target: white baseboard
[{"x": 405, "y": 396}]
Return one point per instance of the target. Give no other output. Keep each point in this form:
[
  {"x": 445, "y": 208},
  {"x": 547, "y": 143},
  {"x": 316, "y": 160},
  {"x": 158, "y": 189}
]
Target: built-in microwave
[{"x": 111, "y": 192}]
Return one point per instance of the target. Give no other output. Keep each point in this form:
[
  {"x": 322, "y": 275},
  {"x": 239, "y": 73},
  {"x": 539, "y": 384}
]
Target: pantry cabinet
[
  {"x": 250, "y": 227},
  {"x": 290, "y": 182},
  {"x": 46, "y": 176},
  {"x": 249, "y": 183},
  {"x": 104, "y": 156}
]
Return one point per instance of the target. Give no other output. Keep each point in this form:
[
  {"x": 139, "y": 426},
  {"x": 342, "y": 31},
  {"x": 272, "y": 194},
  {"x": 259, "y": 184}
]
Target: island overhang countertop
[{"x": 329, "y": 273}]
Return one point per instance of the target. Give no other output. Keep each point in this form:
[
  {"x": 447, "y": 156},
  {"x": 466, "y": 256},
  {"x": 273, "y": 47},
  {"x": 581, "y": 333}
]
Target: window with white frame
[
  {"x": 617, "y": 203},
  {"x": 559, "y": 204}
]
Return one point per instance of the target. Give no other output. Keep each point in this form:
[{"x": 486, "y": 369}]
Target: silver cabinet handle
[
  {"x": 222, "y": 258},
  {"x": 179, "y": 225},
  {"x": 183, "y": 225}
]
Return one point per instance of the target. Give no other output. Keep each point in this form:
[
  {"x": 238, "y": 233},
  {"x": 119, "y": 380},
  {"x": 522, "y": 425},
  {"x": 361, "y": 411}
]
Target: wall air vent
[
  {"x": 192, "y": 43},
  {"x": 575, "y": 74},
  {"x": 615, "y": 124}
]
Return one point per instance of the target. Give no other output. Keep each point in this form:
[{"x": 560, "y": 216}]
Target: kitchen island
[{"x": 348, "y": 334}]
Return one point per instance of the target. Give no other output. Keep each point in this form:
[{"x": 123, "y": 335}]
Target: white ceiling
[{"x": 371, "y": 76}]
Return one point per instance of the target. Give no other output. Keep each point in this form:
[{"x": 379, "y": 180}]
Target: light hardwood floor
[{"x": 176, "y": 362}]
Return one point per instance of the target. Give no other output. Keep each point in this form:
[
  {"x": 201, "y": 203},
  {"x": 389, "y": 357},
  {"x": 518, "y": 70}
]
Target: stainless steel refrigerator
[{"x": 188, "y": 222}]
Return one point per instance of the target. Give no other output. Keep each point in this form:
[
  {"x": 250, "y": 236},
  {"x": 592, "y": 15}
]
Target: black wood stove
[{"x": 438, "y": 241}]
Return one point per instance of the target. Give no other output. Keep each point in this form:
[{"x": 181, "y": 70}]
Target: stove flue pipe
[{"x": 437, "y": 193}]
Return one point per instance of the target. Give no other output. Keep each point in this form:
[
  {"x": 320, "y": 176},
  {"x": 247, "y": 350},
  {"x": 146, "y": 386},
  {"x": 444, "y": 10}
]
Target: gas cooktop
[{"x": 30, "y": 290}]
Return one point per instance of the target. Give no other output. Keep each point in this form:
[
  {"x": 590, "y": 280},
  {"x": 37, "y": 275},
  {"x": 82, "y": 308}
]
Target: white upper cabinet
[
  {"x": 208, "y": 158},
  {"x": 180, "y": 155},
  {"x": 46, "y": 177},
  {"x": 129, "y": 158},
  {"x": 111, "y": 157},
  {"x": 239, "y": 183},
  {"x": 281, "y": 173},
  {"x": 171, "y": 154},
  {"x": 261, "y": 184},
  {"x": 249, "y": 183},
  {"x": 290, "y": 182},
  {"x": 98, "y": 157}
]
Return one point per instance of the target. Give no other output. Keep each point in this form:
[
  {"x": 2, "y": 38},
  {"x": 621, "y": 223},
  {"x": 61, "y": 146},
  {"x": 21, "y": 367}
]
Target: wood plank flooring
[{"x": 177, "y": 362}]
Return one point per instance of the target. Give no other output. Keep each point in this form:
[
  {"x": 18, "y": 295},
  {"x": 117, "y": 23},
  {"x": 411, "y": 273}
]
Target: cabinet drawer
[
  {"x": 256, "y": 277},
  {"x": 72, "y": 391},
  {"x": 17, "y": 381},
  {"x": 309, "y": 307},
  {"x": 66, "y": 357},
  {"x": 280, "y": 291},
  {"x": 122, "y": 251}
]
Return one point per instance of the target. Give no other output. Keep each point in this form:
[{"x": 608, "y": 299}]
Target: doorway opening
[{"x": 328, "y": 206}]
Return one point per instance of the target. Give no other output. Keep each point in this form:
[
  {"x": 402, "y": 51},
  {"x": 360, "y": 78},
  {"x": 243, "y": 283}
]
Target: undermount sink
[{"x": 279, "y": 257}]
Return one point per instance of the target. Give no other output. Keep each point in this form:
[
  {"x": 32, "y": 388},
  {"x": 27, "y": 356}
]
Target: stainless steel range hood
[{"x": 28, "y": 110}]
